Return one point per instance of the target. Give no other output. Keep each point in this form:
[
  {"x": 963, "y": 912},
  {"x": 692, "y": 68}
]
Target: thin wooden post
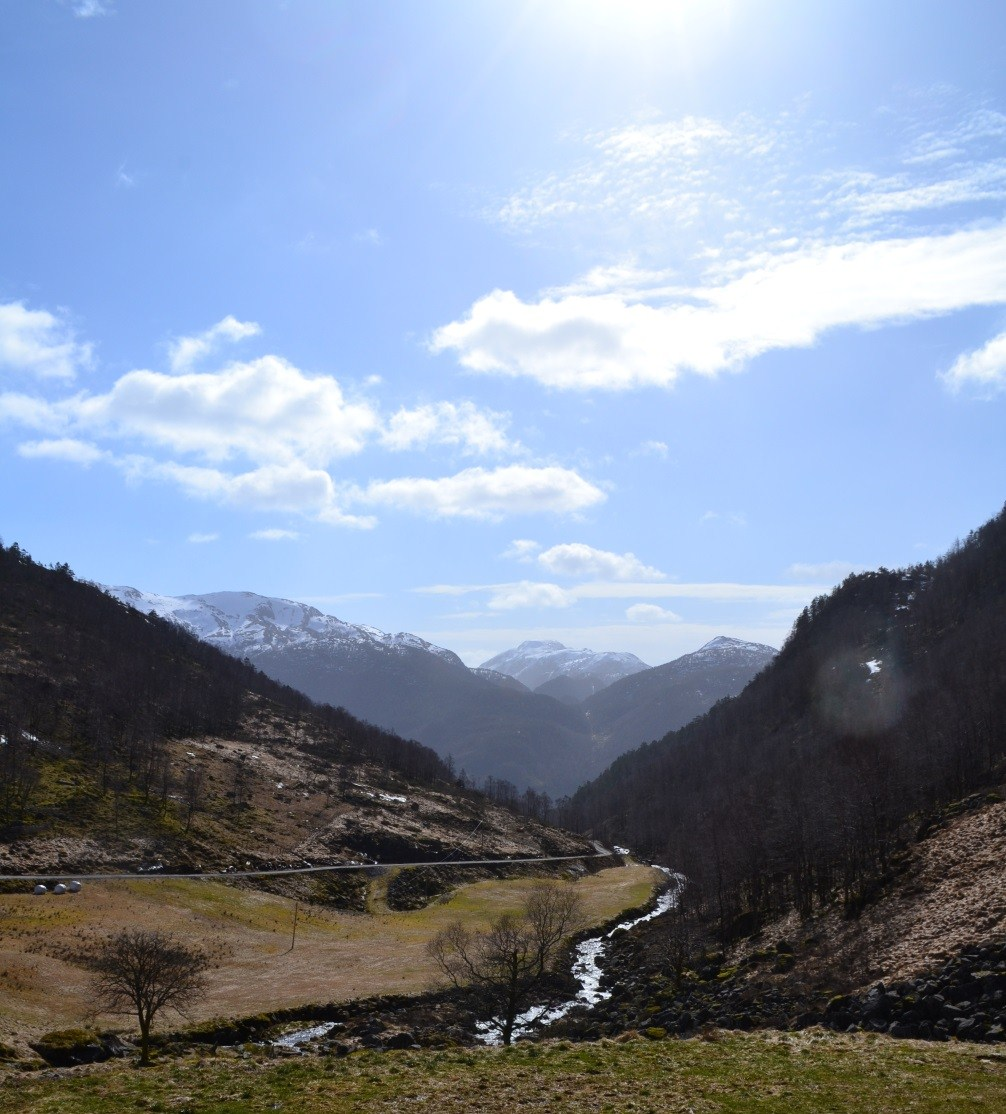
[{"x": 293, "y": 937}]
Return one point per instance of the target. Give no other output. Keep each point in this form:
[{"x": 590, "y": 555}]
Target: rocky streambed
[{"x": 964, "y": 998}]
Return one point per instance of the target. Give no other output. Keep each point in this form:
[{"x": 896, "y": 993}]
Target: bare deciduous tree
[
  {"x": 138, "y": 971},
  {"x": 507, "y": 962}
]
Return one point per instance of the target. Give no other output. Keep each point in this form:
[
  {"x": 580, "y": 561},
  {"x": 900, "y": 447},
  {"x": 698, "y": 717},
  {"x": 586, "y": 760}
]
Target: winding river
[{"x": 586, "y": 970}]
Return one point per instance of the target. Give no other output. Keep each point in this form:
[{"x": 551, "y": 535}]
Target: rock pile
[{"x": 964, "y": 998}]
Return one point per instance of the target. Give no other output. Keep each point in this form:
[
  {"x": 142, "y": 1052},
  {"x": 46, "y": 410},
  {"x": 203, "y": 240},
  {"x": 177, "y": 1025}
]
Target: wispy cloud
[
  {"x": 650, "y": 613},
  {"x": 826, "y": 572},
  {"x": 185, "y": 351},
  {"x": 521, "y": 549},
  {"x": 90, "y": 9},
  {"x": 67, "y": 449},
  {"x": 274, "y": 535},
  {"x": 473, "y": 430},
  {"x": 730, "y": 518},
  {"x": 713, "y": 592},
  {"x": 529, "y": 594},
  {"x": 491, "y": 494},
  {"x": 784, "y": 301},
  {"x": 203, "y": 539},
  {"x": 982, "y": 371},
  {"x": 40, "y": 343},
  {"x": 575, "y": 559},
  {"x": 775, "y": 240},
  {"x": 658, "y": 449}
]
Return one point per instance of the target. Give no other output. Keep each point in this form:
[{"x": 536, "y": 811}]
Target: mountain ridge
[{"x": 490, "y": 723}]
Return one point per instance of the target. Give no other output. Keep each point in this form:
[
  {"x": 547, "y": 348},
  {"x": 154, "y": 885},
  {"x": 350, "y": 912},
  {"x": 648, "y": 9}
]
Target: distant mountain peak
[
  {"x": 722, "y": 643},
  {"x": 569, "y": 675}
]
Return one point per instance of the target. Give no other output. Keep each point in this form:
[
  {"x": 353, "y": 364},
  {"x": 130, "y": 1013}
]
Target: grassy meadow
[
  {"x": 337, "y": 956},
  {"x": 810, "y": 1072}
]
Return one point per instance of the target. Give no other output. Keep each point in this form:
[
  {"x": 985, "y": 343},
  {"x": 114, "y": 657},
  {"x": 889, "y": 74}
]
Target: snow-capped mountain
[
  {"x": 246, "y": 624},
  {"x": 650, "y": 703},
  {"x": 568, "y": 675},
  {"x": 487, "y": 719}
]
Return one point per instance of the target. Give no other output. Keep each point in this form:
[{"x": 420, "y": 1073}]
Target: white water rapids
[{"x": 586, "y": 971}]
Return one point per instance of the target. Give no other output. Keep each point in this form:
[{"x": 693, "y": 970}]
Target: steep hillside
[
  {"x": 125, "y": 741},
  {"x": 887, "y": 701},
  {"x": 648, "y": 704},
  {"x": 488, "y": 725},
  {"x": 923, "y": 957}
]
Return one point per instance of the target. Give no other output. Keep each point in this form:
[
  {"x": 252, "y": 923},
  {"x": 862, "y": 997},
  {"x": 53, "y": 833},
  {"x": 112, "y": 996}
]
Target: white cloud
[
  {"x": 575, "y": 559},
  {"x": 274, "y": 535},
  {"x": 66, "y": 449},
  {"x": 650, "y": 613},
  {"x": 185, "y": 351},
  {"x": 487, "y": 494},
  {"x": 448, "y": 423},
  {"x": 291, "y": 488},
  {"x": 782, "y": 301},
  {"x": 203, "y": 539},
  {"x": 983, "y": 370},
  {"x": 263, "y": 435},
  {"x": 527, "y": 593},
  {"x": 40, "y": 343},
  {"x": 830, "y": 572},
  {"x": 266, "y": 411},
  {"x": 658, "y": 449},
  {"x": 521, "y": 549}
]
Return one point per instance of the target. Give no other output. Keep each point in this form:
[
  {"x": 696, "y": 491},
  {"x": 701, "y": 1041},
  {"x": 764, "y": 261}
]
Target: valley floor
[
  {"x": 338, "y": 956},
  {"x": 809, "y": 1072}
]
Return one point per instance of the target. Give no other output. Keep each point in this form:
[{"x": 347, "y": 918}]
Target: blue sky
[{"x": 623, "y": 324}]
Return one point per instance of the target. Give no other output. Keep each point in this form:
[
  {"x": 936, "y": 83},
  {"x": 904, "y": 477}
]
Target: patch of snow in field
[{"x": 302, "y": 1036}]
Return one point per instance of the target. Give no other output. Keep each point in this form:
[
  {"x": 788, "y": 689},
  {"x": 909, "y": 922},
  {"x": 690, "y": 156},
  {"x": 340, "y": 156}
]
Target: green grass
[{"x": 802, "y": 1073}]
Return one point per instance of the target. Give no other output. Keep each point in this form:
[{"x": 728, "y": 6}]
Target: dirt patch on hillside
[{"x": 949, "y": 895}]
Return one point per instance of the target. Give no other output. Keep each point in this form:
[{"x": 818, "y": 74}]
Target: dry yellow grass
[{"x": 337, "y": 956}]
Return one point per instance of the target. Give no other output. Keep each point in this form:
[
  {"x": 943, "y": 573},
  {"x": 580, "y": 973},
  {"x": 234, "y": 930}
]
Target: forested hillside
[
  {"x": 84, "y": 677},
  {"x": 887, "y": 702}
]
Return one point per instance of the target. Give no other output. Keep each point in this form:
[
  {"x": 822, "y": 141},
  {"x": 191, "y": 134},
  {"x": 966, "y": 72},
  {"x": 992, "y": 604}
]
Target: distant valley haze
[{"x": 539, "y": 715}]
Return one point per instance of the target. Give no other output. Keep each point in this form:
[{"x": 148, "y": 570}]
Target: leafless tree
[
  {"x": 138, "y": 971},
  {"x": 193, "y": 791},
  {"x": 507, "y": 962}
]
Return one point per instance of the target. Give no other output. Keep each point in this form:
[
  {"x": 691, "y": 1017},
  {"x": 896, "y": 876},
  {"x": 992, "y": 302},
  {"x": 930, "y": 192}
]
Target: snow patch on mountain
[
  {"x": 721, "y": 646},
  {"x": 535, "y": 663},
  {"x": 246, "y": 624}
]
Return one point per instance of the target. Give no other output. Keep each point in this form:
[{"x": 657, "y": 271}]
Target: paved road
[{"x": 220, "y": 875}]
